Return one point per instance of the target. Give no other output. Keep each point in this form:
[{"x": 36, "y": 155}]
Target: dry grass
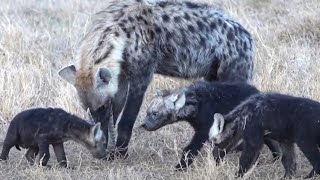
[{"x": 37, "y": 38}]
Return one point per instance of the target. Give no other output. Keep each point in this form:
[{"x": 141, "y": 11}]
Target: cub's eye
[{"x": 154, "y": 113}]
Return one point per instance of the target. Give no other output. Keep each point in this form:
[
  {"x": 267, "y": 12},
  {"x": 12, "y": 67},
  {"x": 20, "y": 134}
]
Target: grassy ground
[{"x": 37, "y": 38}]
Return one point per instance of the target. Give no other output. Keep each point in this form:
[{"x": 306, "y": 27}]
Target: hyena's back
[{"x": 179, "y": 39}]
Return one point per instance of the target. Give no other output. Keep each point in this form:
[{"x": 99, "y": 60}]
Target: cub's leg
[
  {"x": 8, "y": 143},
  {"x": 31, "y": 154},
  {"x": 60, "y": 154},
  {"x": 44, "y": 154},
  {"x": 218, "y": 154},
  {"x": 310, "y": 149},
  {"x": 192, "y": 150},
  {"x": 288, "y": 159},
  {"x": 253, "y": 145},
  {"x": 274, "y": 147}
]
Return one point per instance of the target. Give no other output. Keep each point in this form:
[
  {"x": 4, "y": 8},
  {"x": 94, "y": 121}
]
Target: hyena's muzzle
[{"x": 104, "y": 115}]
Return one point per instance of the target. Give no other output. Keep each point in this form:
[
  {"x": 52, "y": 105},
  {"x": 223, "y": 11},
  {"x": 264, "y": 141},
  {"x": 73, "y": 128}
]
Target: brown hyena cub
[{"x": 36, "y": 129}]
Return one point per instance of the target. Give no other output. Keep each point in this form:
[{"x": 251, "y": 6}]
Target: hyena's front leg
[
  {"x": 130, "y": 113},
  {"x": 60, "y": 154},
  {"x": 232, "y": 144},
  {"x": 250, "y": 154},
  {"x": 44, "y": 154},
  {"x": 118, "y": 104},
  {"x": 192, "y": 150}
]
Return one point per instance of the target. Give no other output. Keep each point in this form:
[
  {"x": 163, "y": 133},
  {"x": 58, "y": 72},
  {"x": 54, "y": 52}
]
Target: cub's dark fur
[
  {"x": 284, "y": 118},
  {"x": 36, "y": 129},
  {"x": 197, "y": 105}
]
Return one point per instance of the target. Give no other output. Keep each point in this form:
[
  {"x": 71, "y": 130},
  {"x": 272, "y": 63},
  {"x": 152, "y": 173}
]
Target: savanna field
[{"x": 39, "y": 37}]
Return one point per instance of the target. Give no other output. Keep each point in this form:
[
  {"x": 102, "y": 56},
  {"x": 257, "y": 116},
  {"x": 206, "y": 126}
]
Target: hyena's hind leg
[
  {"x": 274, "y": 147},
  {"x": 31, "y": 154},
  {"x": 10, "y": 141},
  {"x": 310, "y": 149},
  {"x": 239, "y": 70},
  {"x": 213, "y": 73},
  {"x": 288, "y": 159}
]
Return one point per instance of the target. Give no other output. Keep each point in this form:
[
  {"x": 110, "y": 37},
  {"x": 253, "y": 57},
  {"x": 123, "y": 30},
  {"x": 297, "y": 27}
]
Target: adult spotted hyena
[{"x": 129, "y": 41}]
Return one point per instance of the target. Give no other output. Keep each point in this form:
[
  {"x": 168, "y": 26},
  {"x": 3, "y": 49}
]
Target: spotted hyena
[
  {"x": 131, "y": 40},
  {"x": 286, "y": 119},
  {"x": 36, "y": 129},
  {"x": 197, "y": 104}
]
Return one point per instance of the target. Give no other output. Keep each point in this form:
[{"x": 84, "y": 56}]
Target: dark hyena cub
[
  {"x": 284, "y": 118},
  {"x": 36, "y": 129},
  {"x": 195, "y": 104}
]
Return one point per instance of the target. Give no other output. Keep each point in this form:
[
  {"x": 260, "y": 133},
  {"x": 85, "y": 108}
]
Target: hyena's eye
[{"x": 154, "y": 113}]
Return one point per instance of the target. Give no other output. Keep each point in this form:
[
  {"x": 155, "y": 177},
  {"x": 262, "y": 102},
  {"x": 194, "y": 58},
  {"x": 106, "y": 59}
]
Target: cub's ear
[
  {"x": 68, "y": 73},
  {"x": 180, "y": 102},
  {"x": 217, "y": 126},
  {"x": 175, "y": 101},
  {"x": 96, "y": 132},
  {"x": 103, "y": 76},
  {"x": 219, "y": 120}
]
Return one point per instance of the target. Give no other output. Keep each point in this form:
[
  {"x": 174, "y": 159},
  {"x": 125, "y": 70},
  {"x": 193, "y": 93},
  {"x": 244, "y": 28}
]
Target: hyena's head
[
  {"x": 95, "y": 141},
  {"x": 167, "y": 108},
  {"x": 94, "y": 86},
  {"x": 96, "y": 76},
  {"x": 222, "y": 131}
]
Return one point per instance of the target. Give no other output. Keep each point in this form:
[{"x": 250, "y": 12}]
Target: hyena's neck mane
[{"x": 123, "y": 27}]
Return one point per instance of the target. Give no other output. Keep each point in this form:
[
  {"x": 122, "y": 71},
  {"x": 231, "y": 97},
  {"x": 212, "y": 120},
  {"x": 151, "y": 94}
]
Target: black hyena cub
[
  {"x": 36, "y": 129},
  {"x": 197, "y": 105},
  {"x": 284, "y": 118}
]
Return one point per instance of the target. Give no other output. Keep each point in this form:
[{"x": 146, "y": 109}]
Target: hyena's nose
[
  {"x": 213, "y": 139},
  {"x": 144, "y": 126}
]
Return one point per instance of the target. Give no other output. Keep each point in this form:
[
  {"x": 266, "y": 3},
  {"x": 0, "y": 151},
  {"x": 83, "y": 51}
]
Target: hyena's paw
[
  {"x": 116, "y": 154},
  {"x": 180, "y": 168}
]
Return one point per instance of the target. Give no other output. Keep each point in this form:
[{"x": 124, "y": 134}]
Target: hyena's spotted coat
[{"x": 131, "y": 40}]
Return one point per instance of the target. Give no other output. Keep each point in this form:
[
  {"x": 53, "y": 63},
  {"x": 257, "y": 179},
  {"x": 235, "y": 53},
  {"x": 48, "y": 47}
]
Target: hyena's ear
[
  {"x": 180, "y": 102},
  {"x": 68, "y": 73},
  {"x": 175, "y": 101},
  {"x": 103, "y": 76},
  {"x": 96, "y": 132},
  {"x": 217, "y": 126},
  {"x": 89, "y": 117}
]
